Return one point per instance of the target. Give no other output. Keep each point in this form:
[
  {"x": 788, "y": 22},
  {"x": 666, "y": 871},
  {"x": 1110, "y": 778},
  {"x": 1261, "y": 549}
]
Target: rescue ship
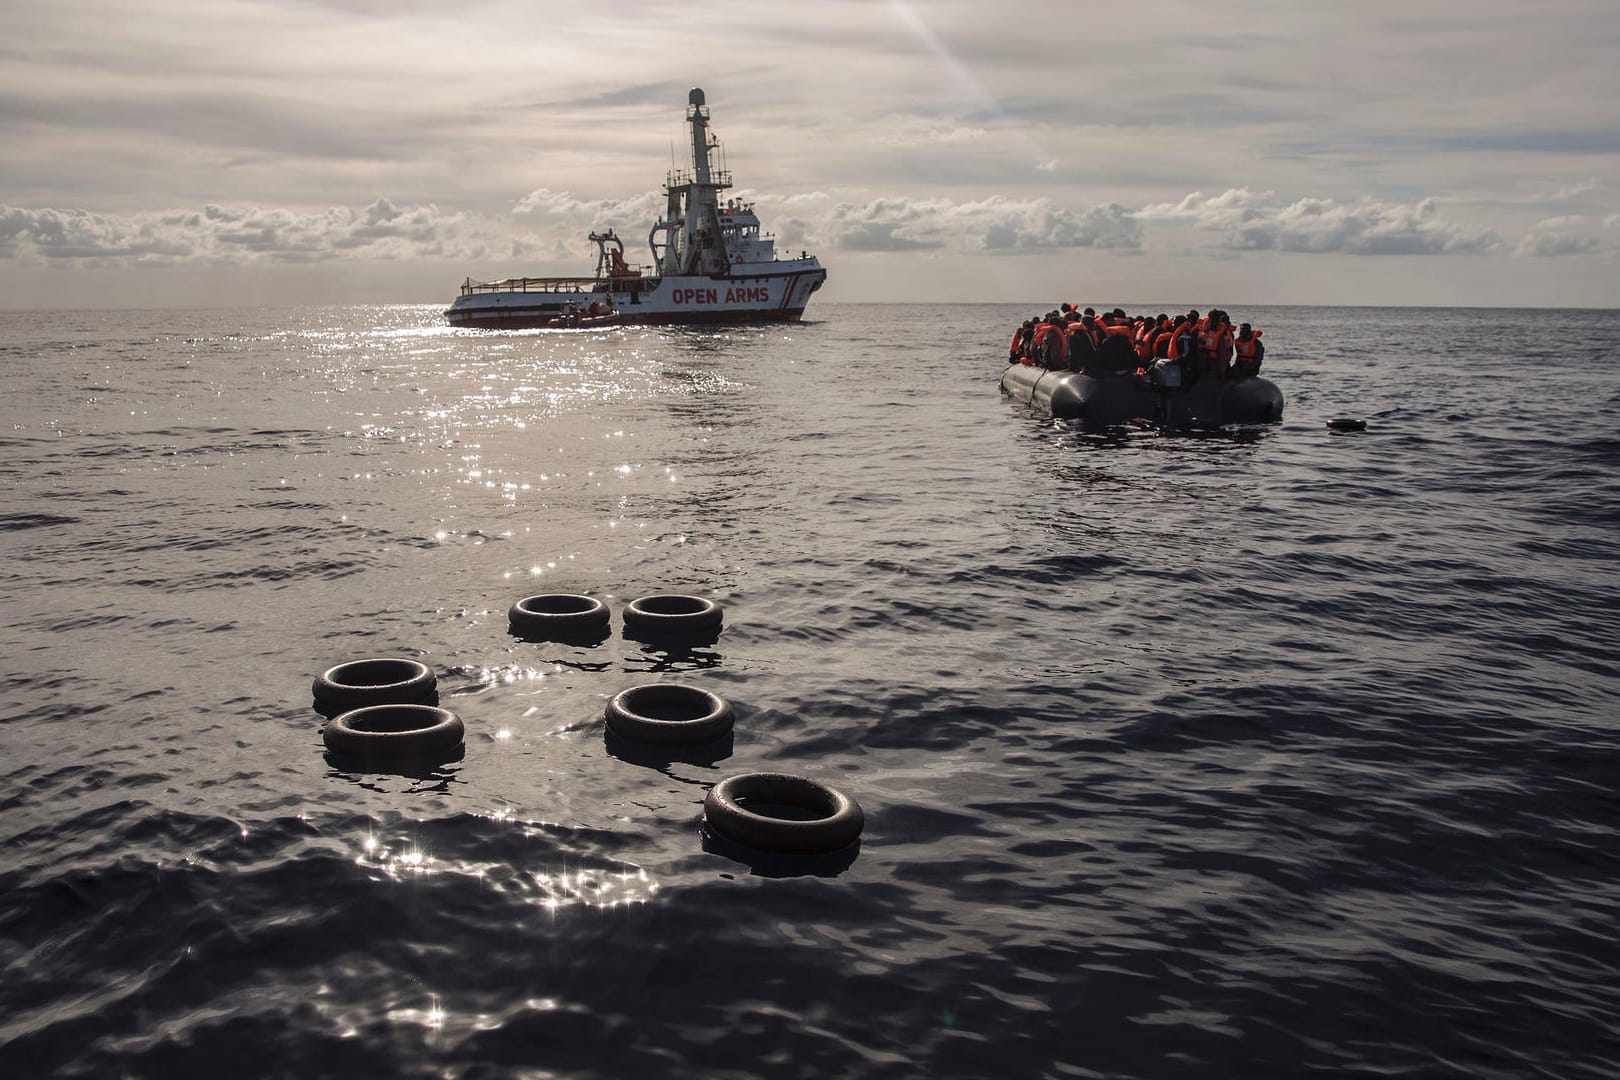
[{"x": 710, "y": 264}]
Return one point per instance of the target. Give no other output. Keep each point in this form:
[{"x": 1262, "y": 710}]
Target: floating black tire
[
  {"x": 778, "y": 812},
  {"x": 669, "y": 713},
  {"x": 1345, "y": 423},
  {"x": 672, "y": 615},
  {"x": 394, "y": 732},
  {"x": 558, "y": 615},
  {"x": 378, "y": 681}
]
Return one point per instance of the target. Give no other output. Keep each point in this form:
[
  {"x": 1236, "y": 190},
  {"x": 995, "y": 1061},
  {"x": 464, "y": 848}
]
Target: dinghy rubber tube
[{"x": 1116, "y": 398}]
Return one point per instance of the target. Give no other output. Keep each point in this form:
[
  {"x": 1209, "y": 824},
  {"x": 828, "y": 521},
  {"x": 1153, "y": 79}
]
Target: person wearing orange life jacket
[
  {"x": 1079, "y": 343},
  {"x": 1046, "y": 348},
  {"x": 1167, "y": 344},
  {"x": 1055, "y": 355},
  {"x": 1115, "y": 351},
  {"x": 1206, "y": 339},
  {"x": 1096, "y": 328},
  {"x": 1223, "y": 347},
  {"x": 1183, "y": 350},
  {"x": 1018, "y": 349},
  {"x": 1250, "y": 352},
  {"x": 1118, "y": 326},
  {"x": 1037, "y": 340},
  {"x": 1165, "y": 337},
  {"x": 1213, "y": 344},
  {"x": 1144, "y": 339},
  {"x": 1085, "y": 338}
]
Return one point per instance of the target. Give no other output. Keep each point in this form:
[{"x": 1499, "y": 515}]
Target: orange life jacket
[
  {"x": 1163, "y": 339},
  {"x": 1057, "y": 349},
  {"x": 1213, "y": 342},
  {"x": 1033, "y": 350},
  {"x": 1040, "y": 351},
  {"x": 1090, "y": 332},
  {"x": 1144, "y": 341},
  {"x": 1246, "y": 349}
]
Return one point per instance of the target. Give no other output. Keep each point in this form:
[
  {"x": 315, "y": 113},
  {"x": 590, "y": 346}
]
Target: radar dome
[{"x": 695, "y": 97}]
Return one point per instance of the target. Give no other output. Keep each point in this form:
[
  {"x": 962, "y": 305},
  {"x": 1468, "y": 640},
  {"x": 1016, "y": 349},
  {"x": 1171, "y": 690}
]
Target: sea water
[{"x": 1267, "y": 752}]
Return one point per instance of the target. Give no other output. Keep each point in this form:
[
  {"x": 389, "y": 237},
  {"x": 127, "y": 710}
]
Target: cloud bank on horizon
[{"x": 1467, "y": 152}]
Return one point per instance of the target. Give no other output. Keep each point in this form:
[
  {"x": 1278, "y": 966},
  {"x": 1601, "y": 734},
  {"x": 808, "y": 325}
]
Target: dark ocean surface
[{"x": 1279, "y": 752}]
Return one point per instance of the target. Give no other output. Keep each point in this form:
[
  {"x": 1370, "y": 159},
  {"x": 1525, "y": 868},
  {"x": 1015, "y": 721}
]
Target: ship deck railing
[
  {"x": 558, "y": 284},
  {"x": 529, "y": 284}
]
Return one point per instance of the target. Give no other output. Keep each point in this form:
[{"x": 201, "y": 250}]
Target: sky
[{"x": 205, "y": 153}]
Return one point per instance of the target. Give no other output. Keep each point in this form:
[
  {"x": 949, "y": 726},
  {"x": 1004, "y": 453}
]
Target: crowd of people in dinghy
[{"x": 1174, "y": 351}]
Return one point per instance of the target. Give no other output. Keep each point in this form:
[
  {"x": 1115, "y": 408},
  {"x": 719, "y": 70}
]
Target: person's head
[
  {"x": 1192, "y": 316},
  {"x": 1245, "y": 331},
  {"x": 1091, "y": 312}
]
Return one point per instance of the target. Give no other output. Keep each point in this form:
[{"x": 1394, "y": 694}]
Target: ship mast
[{"x": 692, "y": 217}]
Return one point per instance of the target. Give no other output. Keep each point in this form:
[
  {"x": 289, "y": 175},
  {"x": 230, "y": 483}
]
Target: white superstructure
[{"x": 711, "y": 263}]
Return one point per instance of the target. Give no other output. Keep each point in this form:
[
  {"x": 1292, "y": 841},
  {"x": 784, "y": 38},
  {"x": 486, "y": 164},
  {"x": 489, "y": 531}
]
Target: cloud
[
  {"x": 1245, "y": 220},
  {"x": 563, "y": 209},
  {"x": 1570, "y": 191},
  {"x": 550, "y": 225},
  {"x": 995, "y": 224},
  {"x": 1558, "y": 236},
  {"x": 240, "y": 234}
]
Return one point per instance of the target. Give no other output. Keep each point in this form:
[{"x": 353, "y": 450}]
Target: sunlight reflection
[
  {"x": 433, "y": 1016},
  {"x": 605, "y": 885}
]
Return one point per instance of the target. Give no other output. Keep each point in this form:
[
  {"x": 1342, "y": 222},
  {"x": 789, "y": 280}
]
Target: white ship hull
[{"x": 775, "y": 292}]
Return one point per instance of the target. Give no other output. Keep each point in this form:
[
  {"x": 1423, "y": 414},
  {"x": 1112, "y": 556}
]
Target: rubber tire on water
[
  {"x": 394, "y": 732},
  {"x": 378, "y": 681},
  {"x": 558, "y": 613},
  {"x": 672, "y": 614},
  {"x": 641, "y": 713},
  {"x": 838, "y": 824}
]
